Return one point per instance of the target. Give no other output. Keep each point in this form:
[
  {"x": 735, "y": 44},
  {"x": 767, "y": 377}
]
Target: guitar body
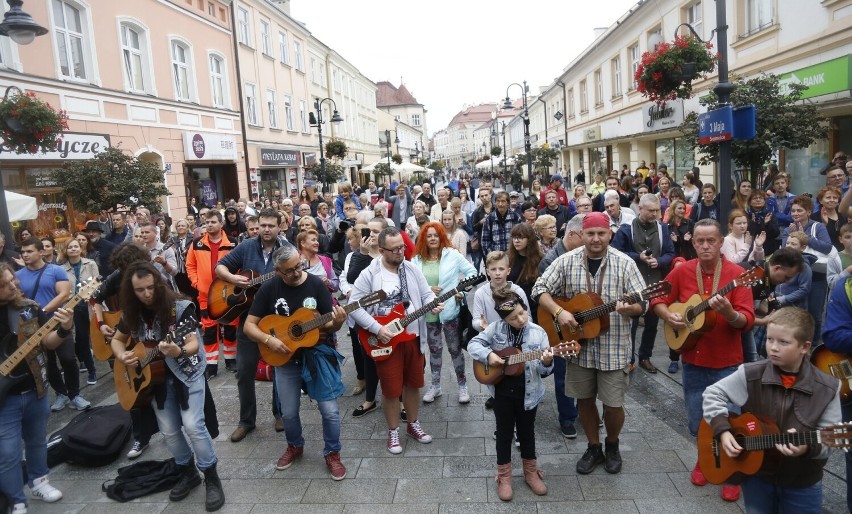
[
  {"x": 490, "y": 375},
  {"x": 133, "y": 384},
  {"x": 100, "y": 347},
  {"x": 588, "y": 330},
  {"x": 7, "y": 381},
  {"x": 837, "y": 365},
  {"x": 681, "y": 340},
  {"x": 288, "y": 331},
  {"x": 226, "y": 302},
  {"x": 375, "y": 349},
  {"x": 715, "y": 463}
]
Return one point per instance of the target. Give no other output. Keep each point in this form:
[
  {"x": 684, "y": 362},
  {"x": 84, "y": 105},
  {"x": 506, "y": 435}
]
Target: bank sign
[
  {"x": 822, "y": 79},
  {"x": 667, "y": 115},
  {"x": 74, "y": 146}
]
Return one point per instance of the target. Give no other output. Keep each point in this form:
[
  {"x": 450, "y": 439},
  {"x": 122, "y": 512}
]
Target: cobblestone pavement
[{"x": 454, "y": 474}]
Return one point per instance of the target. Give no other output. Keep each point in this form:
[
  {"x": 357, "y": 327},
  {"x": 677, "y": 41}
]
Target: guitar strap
[
  {"x": 717, "y": 274},
  {"x": 403, "y": 284}
]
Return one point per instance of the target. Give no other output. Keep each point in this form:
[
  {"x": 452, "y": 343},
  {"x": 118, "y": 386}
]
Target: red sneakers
[
  {"x": 332, "y": 461},
  {"x": 730, "y": 493},
  {"x": 289, "y": 457},
  {"x": 698, "y": 477},
  {"x": 393, "y": 441},
  {"x": 416, "y": 431}
]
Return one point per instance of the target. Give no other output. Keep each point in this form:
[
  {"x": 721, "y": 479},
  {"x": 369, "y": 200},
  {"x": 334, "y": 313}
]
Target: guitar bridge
[{"x": 381, "y": 352}]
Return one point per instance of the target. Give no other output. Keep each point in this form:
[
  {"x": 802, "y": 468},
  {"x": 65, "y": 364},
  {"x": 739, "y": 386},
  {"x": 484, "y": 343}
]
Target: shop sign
[
  {"x": 664, "y": 116},
  {"x": 205, "y": 146},
  {"x": 592, "y": 134},
  {"x": 823, "y": 78},
  {"x": 74, "y": 146},
  {"x": 309, "y": 158},
  {"x": 275, "y": 157}
]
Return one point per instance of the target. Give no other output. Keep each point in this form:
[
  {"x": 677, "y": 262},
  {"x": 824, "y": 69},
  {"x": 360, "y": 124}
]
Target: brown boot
[
  {"x": 533, "y": 477},
  {"x": 504, "y": 481}
]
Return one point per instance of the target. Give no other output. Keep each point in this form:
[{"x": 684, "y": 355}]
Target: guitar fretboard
[
  {"x": 426, "y": 308},
  {"x": 325, "y": 318},
  {"x": 704, "y": 305},
  {"x": 602, "y": 310},
  {"x": 261, "y": 279},
  {"x": 767, "y": 441}
]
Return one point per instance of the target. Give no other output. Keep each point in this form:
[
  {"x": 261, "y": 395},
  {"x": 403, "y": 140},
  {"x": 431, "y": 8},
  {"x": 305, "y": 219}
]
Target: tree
[
  {"x": 438, "y": 165},
  {"x": 112, "y": 178},
  {"x": 333, "y": 172},
  {"x": 543, "y": 158},
  {"x": 496, "y": 151},
  {"x": 783, "y": 121},
  {"x": 382, "y": 169},
  {"x": 396, "y": 158}
]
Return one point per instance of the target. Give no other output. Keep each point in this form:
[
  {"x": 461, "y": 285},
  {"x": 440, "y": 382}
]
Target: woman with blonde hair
[
  {"x": 545, "y": 226},
  {"x": 458, "y": 237}
]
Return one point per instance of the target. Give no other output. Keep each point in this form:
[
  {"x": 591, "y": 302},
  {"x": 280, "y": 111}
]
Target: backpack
[
  {"x": 142, "y": 478},
  {"x": 92, "y": 438}
]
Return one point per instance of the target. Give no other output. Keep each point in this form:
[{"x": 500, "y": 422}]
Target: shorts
[
  {"x": 610, "y": 387},
  {"x": 404, "y": 368}
]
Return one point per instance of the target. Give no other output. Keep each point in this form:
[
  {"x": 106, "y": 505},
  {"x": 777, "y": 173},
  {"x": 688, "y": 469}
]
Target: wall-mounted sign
[
  {"x": 592, "y": 133},
  {"x": 823, "y": 78},
  {"x": 205, "y": 146},
  {"x": 309, "y": 158},
  {"x": 667, "y": 115},
  {"x": 75, "y": 146},
  {"x": 716, "y": 126},
  {"x": 276, "y": 157}
]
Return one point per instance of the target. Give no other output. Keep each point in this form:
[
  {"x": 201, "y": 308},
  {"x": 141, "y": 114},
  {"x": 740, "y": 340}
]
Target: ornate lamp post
[
  {"x": 526, "y": 116},
  {"x": 317, "y": 121}
]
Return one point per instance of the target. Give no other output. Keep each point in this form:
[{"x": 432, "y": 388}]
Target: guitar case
[{"x": 92, "y": 438}]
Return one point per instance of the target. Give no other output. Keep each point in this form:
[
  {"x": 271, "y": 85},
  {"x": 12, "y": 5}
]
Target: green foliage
[
  {"x": 419, "y": 177},
  {"x": 662, "y": 76},
  {"x": 438, "y": 165},
  {"x": 333, "y": 172},
  {"x": 382, "y": 169},
  {"x": 29, "y": 125},
  {"x": 543, "y": 158},
  {"x": 396, "y": 158},
  {"x": 783, "y": 121},
  {"x": 336, "y": 149},
  {"x": 423, "y": 162},
  {"x": 111, "y": 179},
  {"x": 496, "y": 151}
]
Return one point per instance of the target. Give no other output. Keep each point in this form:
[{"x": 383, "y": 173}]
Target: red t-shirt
[
  {"x": 721, "y": 347},
  {"x": 214, "y": 252}
]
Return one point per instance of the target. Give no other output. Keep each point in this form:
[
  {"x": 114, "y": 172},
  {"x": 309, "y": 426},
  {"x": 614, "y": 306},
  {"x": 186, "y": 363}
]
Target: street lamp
[
  {"x": 508, "y": 105},
  {"x": 317, "y": 121}
]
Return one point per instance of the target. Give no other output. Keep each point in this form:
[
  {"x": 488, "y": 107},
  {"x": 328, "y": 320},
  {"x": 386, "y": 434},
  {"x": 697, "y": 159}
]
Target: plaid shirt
[
  {"x": 496, "y": 231},
  {"x": 567, "y": 277}
]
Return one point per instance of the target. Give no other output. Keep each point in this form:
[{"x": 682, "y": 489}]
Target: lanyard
[
  {"x": 717, "y": 274},
  {"x": 600, "y": 275}
]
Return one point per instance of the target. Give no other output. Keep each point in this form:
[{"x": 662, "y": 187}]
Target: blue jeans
[
  {"x": 649, "y": 334},
  {"x": 22, "y": 416},
  {"x": 695, "y": 380},
  {"x": 288, "y": 378},
  {"x": 816, "y": 303},
  {"x": 749, "y": 346},
  {"x": 566, "y": 405},
  {"x": 171, "y": 418},
  {"x": 762, "y": 497}
]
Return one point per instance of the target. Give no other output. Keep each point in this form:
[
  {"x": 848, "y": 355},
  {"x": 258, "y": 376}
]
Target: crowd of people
[{"x": 611, "y": 237}]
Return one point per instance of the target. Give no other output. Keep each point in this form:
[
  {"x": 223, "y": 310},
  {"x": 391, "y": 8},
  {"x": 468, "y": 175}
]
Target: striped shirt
[{"x": 568, "y": 276}]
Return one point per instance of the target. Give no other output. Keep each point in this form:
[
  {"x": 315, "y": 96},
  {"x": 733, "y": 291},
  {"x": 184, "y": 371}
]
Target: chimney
[{"x": 283, "y": 5}]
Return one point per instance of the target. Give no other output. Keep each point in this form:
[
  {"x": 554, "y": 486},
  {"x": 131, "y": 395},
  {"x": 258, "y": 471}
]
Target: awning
[{"x": 21, "y": 207}]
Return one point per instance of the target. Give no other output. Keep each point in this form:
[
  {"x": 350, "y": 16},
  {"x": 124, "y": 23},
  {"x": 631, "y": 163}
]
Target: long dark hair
[
  {"x": 127, "y": 253},
  {"x": 164, "y": 297},
  {"x": 529, "y": 271}
]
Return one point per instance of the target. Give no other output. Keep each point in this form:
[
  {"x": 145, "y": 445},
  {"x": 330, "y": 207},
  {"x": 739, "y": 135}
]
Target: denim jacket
[{"x": 496, "y": 337}]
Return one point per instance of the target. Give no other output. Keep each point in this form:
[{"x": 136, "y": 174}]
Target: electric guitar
[
  {"x": 591, "y": 313},
  {"x": 513, "y": 363},
  {"x": 299, "y": 330},
  {"x": 837, "y": 365},
  {"x": 226, "y": 302},
  {"x": 397, "y": 320},
  {"x": 13, "y": 355},
  {"x": 133, "y": 384},
  {"x": 756, "y": 434},
  {"x": 698, "y": 315},
  {"x": 100, "y": 346}
]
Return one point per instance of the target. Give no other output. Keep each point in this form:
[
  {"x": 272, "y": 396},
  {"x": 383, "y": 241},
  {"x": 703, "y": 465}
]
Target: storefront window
[
  {"x": 676, "y": 154},
  {"x": 598, "y": 161},
  {"x": 12, "y": 179},
  {"x": 53, "y": 217},
  {"x": 804, "y": 165}
]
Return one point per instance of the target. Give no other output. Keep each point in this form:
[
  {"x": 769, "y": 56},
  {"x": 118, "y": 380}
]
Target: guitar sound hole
[
  {"x": 296, "y": 331},
  {"x": 690, "y": 317}
]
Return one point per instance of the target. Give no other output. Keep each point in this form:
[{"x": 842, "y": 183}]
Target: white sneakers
[
  {"x": 393, "y": 442},
  {"x": 464, "y": 397},
  {"x": 43, "y": 491},
  {"x": 432, "y": 393}
]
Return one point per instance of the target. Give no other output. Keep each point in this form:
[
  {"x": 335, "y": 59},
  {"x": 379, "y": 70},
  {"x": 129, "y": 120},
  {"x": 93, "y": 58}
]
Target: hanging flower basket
[
  {"x": 667, "y": 72},
  {"x": 336, "y": 148},
  {"x": 29, "y": 125}
]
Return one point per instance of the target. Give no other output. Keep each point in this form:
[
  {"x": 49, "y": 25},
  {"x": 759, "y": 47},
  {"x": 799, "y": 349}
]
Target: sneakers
[
  {"x": 568, "y": 431},
  {"x": 45, "y": 492},
  {"x": 60, "y": 403},
  {"x": 19, "y": 508},
  {"x": 433, "y": 392},
  {"x": 673, "y": 367},
  {"x": 231, "y": 365},
  {"x": 590, "y": 460},
  {"x": 489, "y": 403},
  {"x": 612, "y": 457},
  {"x": 79, "y": 403},
  {"x": 416, "y": 431},
  {"x": 289, "y": 457},
  {"x": 730, "y": 493},
  {"x": 93, "y": 379},
  {"x": 464, "y": 397},
  {"x": 697, "y": 477},
  {"x": 335, "y": 467},
  {"x": 136, "y": 450},
  {"x": 393, "y": 441}
]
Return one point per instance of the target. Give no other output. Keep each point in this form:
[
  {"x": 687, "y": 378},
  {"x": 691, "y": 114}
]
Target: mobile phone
[
  {"x": 365, "y": 232},
  {"x": 647, "y": 252}
]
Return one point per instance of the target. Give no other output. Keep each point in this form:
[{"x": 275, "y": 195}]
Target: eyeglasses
[
  {"x": 518, "y": 238},
  {"x": 398, "y": 250},
  {"x": 292, "y": 271}
]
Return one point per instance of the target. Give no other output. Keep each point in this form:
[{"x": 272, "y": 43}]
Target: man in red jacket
[{"x": 555, "y": 185}]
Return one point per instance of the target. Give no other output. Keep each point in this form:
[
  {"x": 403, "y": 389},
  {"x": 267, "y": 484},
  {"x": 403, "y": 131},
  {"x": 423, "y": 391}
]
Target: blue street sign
[
  {"x": 716, "y": 126},
  {"x": 745, "y": 122}
]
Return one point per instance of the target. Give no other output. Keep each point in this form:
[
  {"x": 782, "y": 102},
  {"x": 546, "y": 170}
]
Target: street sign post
[{"x": 745, "y": 122}]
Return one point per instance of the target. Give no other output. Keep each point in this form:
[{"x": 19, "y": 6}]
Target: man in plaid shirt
[
  {"x": 601, "y": 368},
  {"x": 498, "y": 226}
]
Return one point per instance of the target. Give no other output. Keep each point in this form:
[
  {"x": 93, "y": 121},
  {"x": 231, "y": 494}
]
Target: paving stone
[
  {"x": 391, "y": 509},
  {"x": 445, "y": 447},
  {"x": 487, "y": 508},
  {"x": 686, "y": 506},
  {"x": 363, "y": 448},
  {"x": 590, "y": 507},
  {"x": 275, "y": 491},
  {"x": 440, "y": 490},
  {"x": 246, "y": 468},
  {"x": 484, "y": 466},
  {"x": 467, "y": 412},
  {"x": 62, "y": 507},
  {"x": 603, "y": 486},
  {"x": 559, "y": 489},
  {"x": 355, "y": 491},
  {"x": 126, "y": 508},
  {"x": 401, "y": 467},
  {"x": 457, "y": 429},
  {"x": 297, "y": 509}
]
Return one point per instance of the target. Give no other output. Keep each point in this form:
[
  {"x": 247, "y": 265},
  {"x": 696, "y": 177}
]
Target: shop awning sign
[
  {"x": 75, "y": 146},
  {"x": 206, "y": 146},
  {"x": 276, "y": 157}
]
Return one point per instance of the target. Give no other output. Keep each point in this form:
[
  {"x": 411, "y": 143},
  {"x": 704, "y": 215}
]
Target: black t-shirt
[
  {"x": 276, "y": 297},
  {"x": 594, "y": 265},
  {"x": 152, "y": 333}
]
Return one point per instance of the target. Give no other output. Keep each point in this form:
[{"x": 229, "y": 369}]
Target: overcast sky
[{"x": 455, "y": 52}]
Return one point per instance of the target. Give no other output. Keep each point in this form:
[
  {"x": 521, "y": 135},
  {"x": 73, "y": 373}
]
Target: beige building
[{"x": 165, "y": 92}]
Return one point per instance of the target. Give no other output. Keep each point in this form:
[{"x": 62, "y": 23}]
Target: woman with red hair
[{"x": 442, "y": 265}]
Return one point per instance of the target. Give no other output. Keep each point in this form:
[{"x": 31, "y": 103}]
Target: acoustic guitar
[
  {"x": 698, "y": 315},
  {"x": 756, "y": 435},
  {"x": 134, "y": 384},
  {"x": 100, "y": 346},
  {"x": 227, "y": 302},
  {"x": 513, "y": 363},
  {"x": 300, "y": 329},
  {"x": 591, "y": 313},
  {"x": 837, "y": 365},
  {"x": 397, "y": 320},
  {"x": 13, "y": 355}
]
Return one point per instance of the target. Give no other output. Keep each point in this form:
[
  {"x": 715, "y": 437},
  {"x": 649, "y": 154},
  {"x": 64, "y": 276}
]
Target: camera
[
  {"x": 647, "y": 252},
  {"x": 345, "y": 225}
]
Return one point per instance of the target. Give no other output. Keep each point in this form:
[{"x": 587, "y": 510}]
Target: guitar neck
[
  {"x": 325, "y": 318},
  {"x": 704, "y": 305},
  {"x": 428, "y": 307},
  {"x": 602, "y": 310},
  {"x": 768, "y": 441},
  {"x": 261, "y": 279},
  {"x": 525, "y": 357}
]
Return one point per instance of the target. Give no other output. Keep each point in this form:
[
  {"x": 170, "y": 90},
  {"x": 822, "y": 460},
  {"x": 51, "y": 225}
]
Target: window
[
  {"x": 598, "y": 88},
  {"x": 616, "y": 77},
  {"x": 584, "y": 97},
  {"x": 243, "y": 26},
  {"x": 251, "y": 105},
  {"x": 288, "y": 111},
  {"x": 758, "y": 15},
  {"x": 415, "y": 120},
  {"x": 211, "y": 9},
  {"x": 182, "y": 69},
  {"x": 303, "y": 114},
  {"x": 265, "y": 41},
  {"x": 695, "y": 17},
  {"x": 284, "y": 52},
  {"x": 571, "y": 103},
  {"x": 297, "y": 49},
  {"x": 69, "y": 40},
  {"x": 635, "y": 58},
  {"x": 272, "y": 108},
  {"x": 218, "y": 82},
  {"x": 134, "y": 52}
]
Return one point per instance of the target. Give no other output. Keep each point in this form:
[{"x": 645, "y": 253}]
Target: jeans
[
  {"x": 22, "y": 416},
  {"x": 67, "y": 381},
  {"x": 144, "y": 422},
  {"x": 357, "y": 355},
  {"x": 646, "y": 347},
  {"x": 566, "y": 405},
  {"x": 816, "y": 303},
  {"x": 762, "y": 497},
  {"x": 695, "y": 380},
  {"x": 289, "y": 380},
  {"x": 171, "y": 417},
  {"x": 82, "y": 342},
  {"x": 749, "y": 346},
  {"x": 248, "y": 355},
  {"x": 436, "y": 349}
]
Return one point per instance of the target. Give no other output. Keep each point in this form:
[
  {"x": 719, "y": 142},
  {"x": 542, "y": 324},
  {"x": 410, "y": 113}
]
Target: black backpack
[{"x": 92, "y": 438}]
